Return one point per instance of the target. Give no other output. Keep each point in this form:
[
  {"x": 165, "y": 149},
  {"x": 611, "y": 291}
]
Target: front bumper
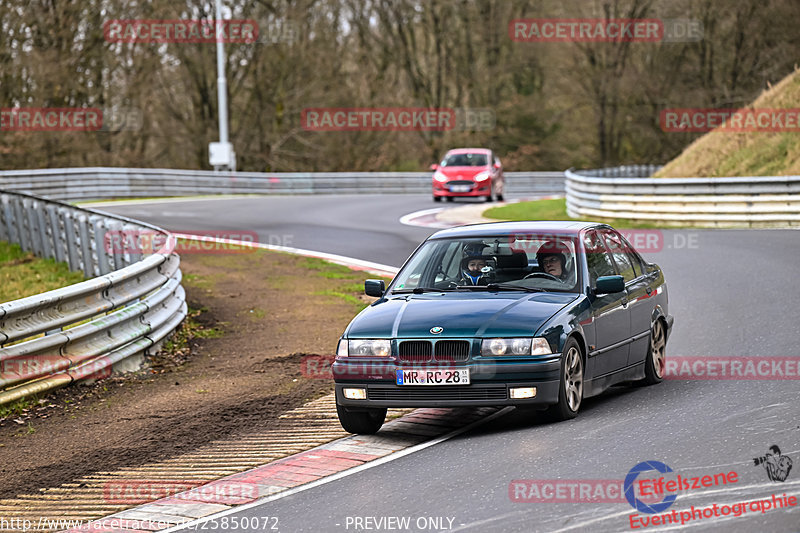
[
  {"x": 480, "y": 188},
  {"x": 490, "y": 384}
]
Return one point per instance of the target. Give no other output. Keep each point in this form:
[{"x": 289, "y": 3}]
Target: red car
[{"x": 467, "y": 173}]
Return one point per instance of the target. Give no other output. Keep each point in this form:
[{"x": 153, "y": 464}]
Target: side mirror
[
  {"x": 376, "y": 287},
  {"x": 609, "y": 284},
  {"x": 497, "y": 166},
  {"x": 434, "y": 167}
]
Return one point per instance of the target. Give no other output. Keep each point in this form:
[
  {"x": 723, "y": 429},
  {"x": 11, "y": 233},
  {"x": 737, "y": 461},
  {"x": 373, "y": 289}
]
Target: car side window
[
  {"x": 622, "y": 258},
  {"x": 597, "y": 257},
  {"x": 635, "y": 258}
]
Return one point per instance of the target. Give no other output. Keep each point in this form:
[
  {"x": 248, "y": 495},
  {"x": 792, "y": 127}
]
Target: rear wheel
[
  {"x": 570, "y": 390},
  {"x": 499, "y": 197},
  {"x": 654, "y": 363},
  {"x": 363, "y": 422}
]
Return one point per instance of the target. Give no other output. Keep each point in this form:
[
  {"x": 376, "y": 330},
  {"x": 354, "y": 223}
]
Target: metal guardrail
[
  {"x": 629, "y": 193},
  {"x": 105, "y": 183},
  {"x": 133, "y": 302}
]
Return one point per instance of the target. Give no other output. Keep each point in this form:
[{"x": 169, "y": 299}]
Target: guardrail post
[
  {"x": 85, "y": 246},
  {"x": 56, "y": 234},
  {"x": 70, "y": 239},
  {"x": 44, "y": 227},
  {"x": 118, "y": 243},
  {"x": 4, "y": 222},
  {"x": 19, "y": 219},
  {"x": 34, "y": 229},
  {"x": 102, "y": 248}
]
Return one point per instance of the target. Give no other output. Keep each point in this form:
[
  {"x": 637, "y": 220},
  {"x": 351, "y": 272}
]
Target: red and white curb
[{"x": 303, "y": 471}]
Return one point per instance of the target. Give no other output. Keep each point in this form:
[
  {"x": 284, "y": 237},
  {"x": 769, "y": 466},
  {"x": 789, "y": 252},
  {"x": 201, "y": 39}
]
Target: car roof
[
  {"x": 468, "y": 151},
  {"x": 507, "y": 228}
]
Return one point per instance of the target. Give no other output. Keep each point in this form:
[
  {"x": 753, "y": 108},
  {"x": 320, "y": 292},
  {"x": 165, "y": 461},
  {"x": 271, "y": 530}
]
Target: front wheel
[
  {"x": 366, "y": 422},
  {"x": 570, "y": 390},
  {"x": 654, "y": 363},
  {"x": 437, "y": 198}
]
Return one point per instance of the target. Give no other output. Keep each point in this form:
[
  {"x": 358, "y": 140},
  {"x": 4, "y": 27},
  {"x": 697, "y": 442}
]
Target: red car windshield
[{"x": 465, "y": 160}]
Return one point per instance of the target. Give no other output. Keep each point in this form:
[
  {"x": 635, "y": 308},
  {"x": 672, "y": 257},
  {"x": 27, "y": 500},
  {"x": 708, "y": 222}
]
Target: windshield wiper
[
  {"x": 500, "y": 286},
  {"x": 420, "y": 290}
]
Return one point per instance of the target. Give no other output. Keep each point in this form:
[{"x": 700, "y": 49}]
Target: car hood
[
  {"x": 458, "y": 314},
  {"x": 466, "y": 173}
]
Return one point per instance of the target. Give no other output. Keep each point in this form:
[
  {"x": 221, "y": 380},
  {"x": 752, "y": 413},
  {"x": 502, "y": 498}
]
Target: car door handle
[
  {"x": 624, "y": 302},
  {"x": 649, "y": 291}
]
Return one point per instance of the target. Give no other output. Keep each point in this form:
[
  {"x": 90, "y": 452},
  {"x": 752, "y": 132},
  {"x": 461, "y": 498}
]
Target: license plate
[
  {"x": 423, "y": 376},
  {"x": 460, "y": 188}
]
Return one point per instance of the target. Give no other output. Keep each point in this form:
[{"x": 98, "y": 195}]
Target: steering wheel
[{"x": 544, "y": 275}]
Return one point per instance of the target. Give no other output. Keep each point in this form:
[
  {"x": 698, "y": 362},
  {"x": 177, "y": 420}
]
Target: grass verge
[
  {"x": 556, "y": 209},
  {"x": 348, "y": 284},
  {"x": 23, "y": 274}
]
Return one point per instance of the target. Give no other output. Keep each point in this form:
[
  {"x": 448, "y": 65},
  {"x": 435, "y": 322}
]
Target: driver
[{"x": 552, "y": 259}]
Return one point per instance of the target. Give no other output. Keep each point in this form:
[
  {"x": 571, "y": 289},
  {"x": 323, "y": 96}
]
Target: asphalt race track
[{"x": 732, "y": 292}]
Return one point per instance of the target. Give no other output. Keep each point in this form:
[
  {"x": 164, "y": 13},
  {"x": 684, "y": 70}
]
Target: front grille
[
  {"x": 452, "y": 351},
  {"x": 460, "y": 182},
  {"x": 493, "y": 392},
  {"x": 416, "y": 351}
]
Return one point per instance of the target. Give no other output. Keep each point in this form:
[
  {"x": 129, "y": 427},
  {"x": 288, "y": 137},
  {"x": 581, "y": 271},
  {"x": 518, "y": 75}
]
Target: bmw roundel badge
[{"x": 436, "y": 330}]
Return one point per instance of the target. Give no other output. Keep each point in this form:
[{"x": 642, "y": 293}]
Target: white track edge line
[{"x": 377, "y": 268}]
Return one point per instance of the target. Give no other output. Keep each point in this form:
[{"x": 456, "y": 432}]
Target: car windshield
[
  {"x": 533, "y": 261},
  {"x": 464, "y": 160}
]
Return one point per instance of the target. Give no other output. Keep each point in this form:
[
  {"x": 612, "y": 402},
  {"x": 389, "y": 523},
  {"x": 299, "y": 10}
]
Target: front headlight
[
  {"x": 506, "y": 347},
  {"x": 438, "y": 176},
  {"x": 369, "y": 347},
  {"x": 483, "y": 176},
  {"x": 519, "y": 346}
]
